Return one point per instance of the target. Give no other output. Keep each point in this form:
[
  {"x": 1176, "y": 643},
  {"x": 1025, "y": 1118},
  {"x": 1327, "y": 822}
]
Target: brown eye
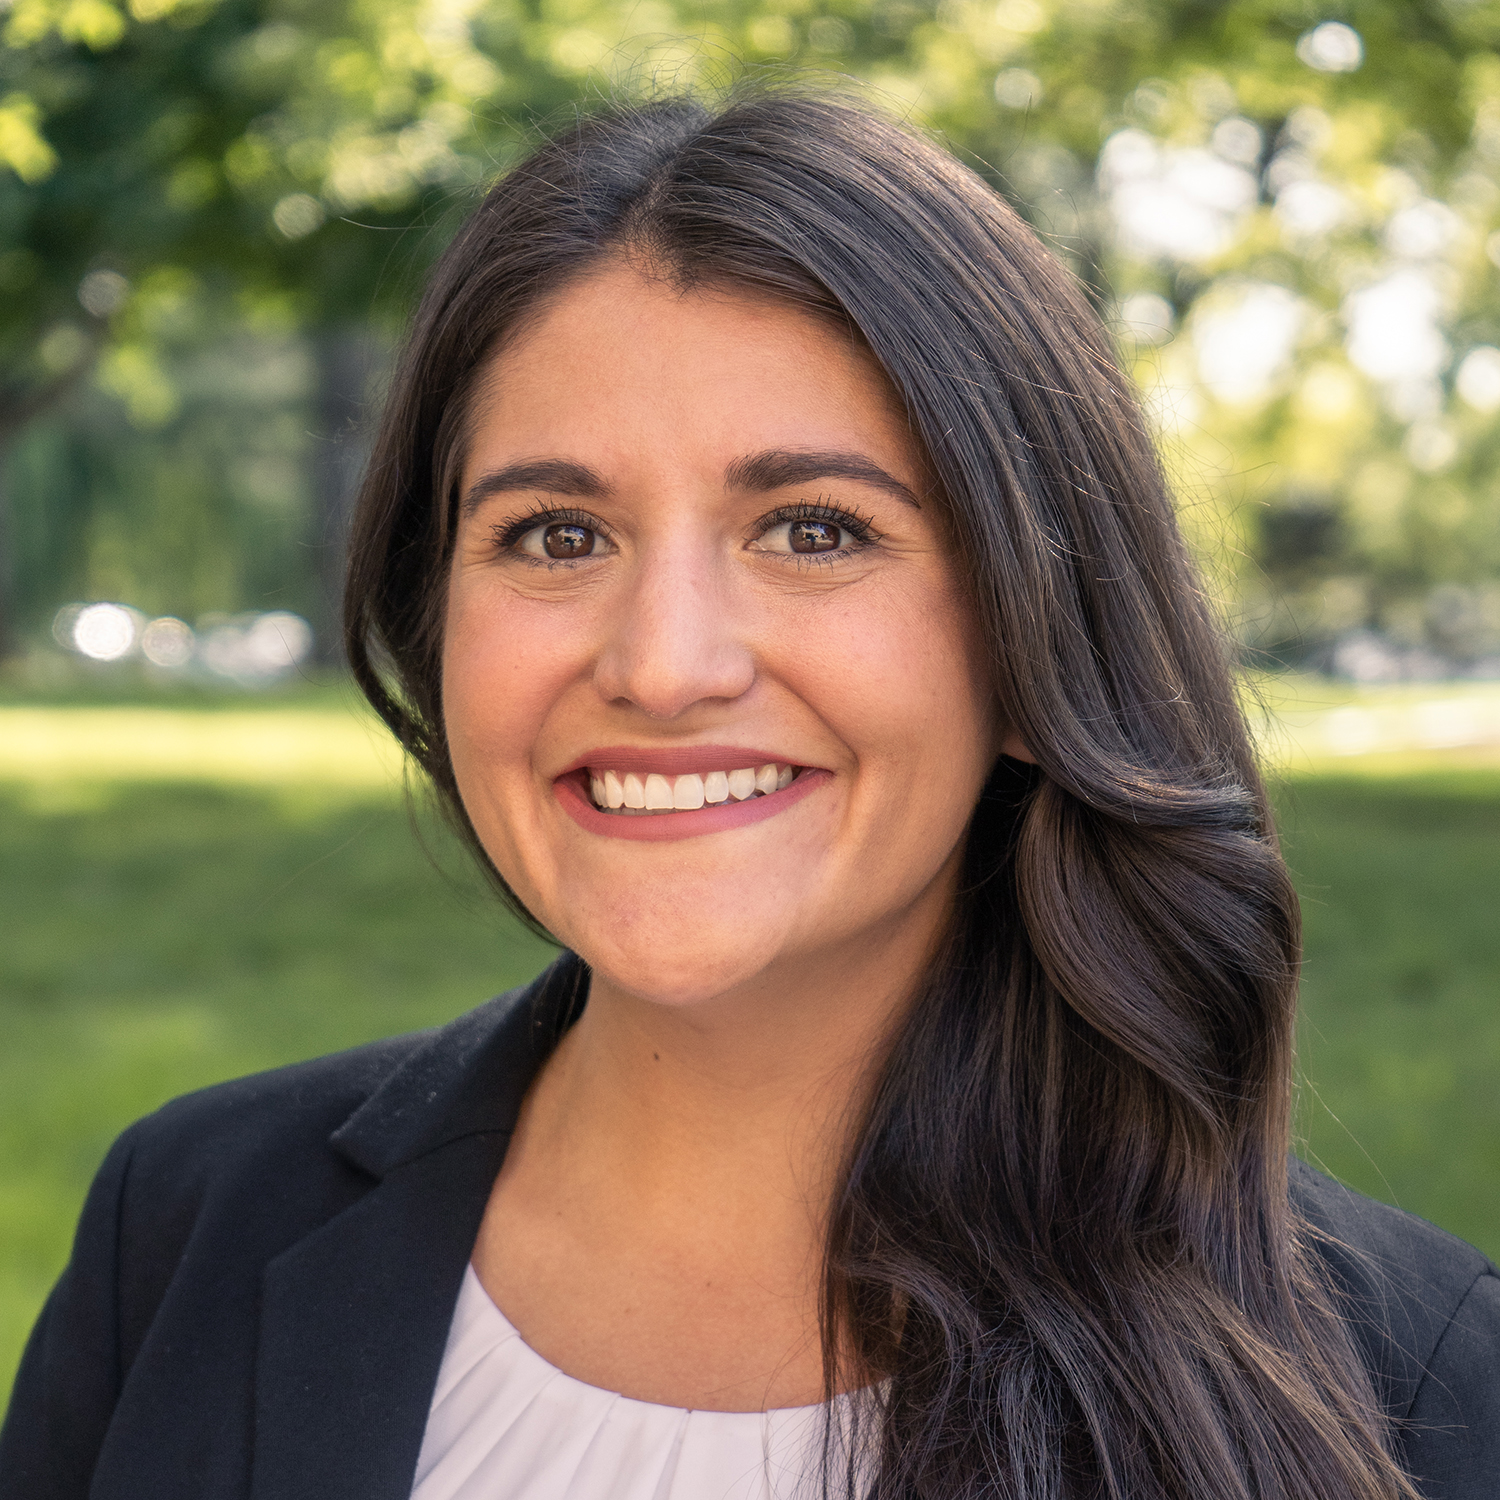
[
  {"x": 823, "y": 532},
  {"x": 564, "y": 540},
  {"x": 813, "y": 536}
]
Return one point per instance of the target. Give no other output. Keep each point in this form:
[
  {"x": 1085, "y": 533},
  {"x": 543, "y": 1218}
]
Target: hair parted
[{"x": 1063, "y": 1244}]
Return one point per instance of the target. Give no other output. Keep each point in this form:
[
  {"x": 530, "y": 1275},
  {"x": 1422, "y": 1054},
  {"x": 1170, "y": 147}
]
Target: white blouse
[{"x": 506, "y": 1425}]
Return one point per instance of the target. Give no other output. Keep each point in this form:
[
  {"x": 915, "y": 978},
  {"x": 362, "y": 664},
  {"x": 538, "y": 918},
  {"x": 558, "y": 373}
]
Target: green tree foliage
[{"x": 1289, "y": 212}]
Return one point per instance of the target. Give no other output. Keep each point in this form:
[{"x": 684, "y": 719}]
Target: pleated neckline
[{"x": 506, "y": 1425}]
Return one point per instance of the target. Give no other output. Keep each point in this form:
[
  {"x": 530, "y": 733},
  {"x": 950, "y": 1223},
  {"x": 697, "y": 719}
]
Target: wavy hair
[{"x": 1062, "y": 1244}]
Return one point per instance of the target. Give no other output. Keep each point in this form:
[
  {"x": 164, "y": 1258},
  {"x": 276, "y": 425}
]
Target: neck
[
  {"x": 658, "y": 1226},
  {"x": 755, "y": 1090},
  {"x": 768, "y": 1068}
]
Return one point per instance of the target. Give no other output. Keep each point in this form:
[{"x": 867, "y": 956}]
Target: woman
[{"x": 765, "y": 559}]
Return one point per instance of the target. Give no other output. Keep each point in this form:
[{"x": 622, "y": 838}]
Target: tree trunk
[
  {"x": 8, "y": 640},
  {"x": 19, "y": 407},
  {"x": 348, "y": 358}
]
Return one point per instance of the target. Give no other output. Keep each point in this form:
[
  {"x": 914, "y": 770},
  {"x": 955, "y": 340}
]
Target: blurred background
[{"x": 214, "y": 215}]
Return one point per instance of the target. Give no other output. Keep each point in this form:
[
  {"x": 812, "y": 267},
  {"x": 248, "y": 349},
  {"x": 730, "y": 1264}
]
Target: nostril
[{"x": 664, "y": 673}]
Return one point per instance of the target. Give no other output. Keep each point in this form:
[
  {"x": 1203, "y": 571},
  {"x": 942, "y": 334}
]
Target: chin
[
  {"x": 678, "y": 975},
  {"x": 683, "y": 940}
]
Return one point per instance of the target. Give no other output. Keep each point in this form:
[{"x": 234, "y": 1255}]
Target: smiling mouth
[{"x": 636, "y": 794}]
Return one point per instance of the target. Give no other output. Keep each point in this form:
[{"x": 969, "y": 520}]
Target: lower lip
[{"x": 573, "y": 794}]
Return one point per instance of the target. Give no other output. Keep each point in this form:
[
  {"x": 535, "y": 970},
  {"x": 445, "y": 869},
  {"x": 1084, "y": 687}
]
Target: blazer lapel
[
  {"x": 353, "y": 1325},
  {"x": 355, "y": 1316}
]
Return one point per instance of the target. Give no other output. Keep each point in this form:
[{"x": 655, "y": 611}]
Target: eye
[
  {"x": 815, "y": 536},
  {"x": 813, "y": 531},
  {"x": 559, "y": 541}
]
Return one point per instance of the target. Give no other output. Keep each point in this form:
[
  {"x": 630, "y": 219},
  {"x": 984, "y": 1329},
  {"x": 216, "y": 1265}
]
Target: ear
[{"x": 1015, "y": 747}]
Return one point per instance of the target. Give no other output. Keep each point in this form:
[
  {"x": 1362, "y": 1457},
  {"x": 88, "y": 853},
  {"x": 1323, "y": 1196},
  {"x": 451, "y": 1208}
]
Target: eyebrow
[
  {"x": 776, "y": 468},
  {"x": 771, "y": 469},
  {"x": 554, "y": 475}
]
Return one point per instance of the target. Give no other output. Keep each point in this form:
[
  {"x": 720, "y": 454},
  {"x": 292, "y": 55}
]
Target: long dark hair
[{"x": 1063, "y": 1244}]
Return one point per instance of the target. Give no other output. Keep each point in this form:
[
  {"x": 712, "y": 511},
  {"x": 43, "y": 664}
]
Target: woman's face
[{"x": 697, "y": 566}]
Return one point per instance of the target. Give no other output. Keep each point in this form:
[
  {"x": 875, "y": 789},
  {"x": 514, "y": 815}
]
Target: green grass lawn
[
  {"x": 161, "y": 936},
  {"x": 158, "y": 938},
  {"x": 1400, "y": 1039}
]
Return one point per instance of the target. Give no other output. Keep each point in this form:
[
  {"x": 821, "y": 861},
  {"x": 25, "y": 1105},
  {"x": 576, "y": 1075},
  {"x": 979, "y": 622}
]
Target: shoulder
[
  {"x": 163, "y": 1302},
  {"x": 1424, "y": 1307},
  {"x": 227, "y": 1178},
  {"x": 1367, "y": 1244},
  {"x": 299, "y": 1143},
  {"x": 297, "y": 1136},
  {"x": 288, "y": 1109},
  {"x": 240, "y": 1170}
]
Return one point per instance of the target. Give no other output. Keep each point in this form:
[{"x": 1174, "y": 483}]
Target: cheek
[
  {"x": 899, "y": 676},
  {"x": 899, "y": 680},
  {"x": 506, "y": 666},
  {"x": 484, "y": 690},
  {"x": 504, "y": 661}
]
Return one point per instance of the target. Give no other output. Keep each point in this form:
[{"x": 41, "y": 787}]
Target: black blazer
[{"x": 264, "y": 1275}]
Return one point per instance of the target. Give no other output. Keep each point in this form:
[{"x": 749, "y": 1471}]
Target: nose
[{"x": 673, "y": 641}]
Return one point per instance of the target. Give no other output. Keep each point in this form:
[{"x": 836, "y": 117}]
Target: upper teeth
[{"x": 630, "y": 792}]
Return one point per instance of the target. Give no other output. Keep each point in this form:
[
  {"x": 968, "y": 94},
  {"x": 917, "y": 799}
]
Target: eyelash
[
  {"x": 507, "y": 534},
  {"x": 859, "y": 527}
]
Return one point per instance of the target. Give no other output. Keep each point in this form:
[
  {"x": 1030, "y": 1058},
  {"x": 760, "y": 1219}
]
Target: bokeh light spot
[
  {"x": 1244, "y": 339},
  {"x": 1146, "y": 318},
  {"x": 102, "y": 292},
  {"x": 1015, "y": 88},
  {"x": 1331, "y": 48},
  {"x": 105, "y": 632},
  {"x": 1478, "y": 379},
  {"x": 298, "y": 215},
  {"x": 167, "y": 642}
]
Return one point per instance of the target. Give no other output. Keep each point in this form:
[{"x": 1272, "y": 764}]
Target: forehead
[{"x": 621, "y": 362}]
